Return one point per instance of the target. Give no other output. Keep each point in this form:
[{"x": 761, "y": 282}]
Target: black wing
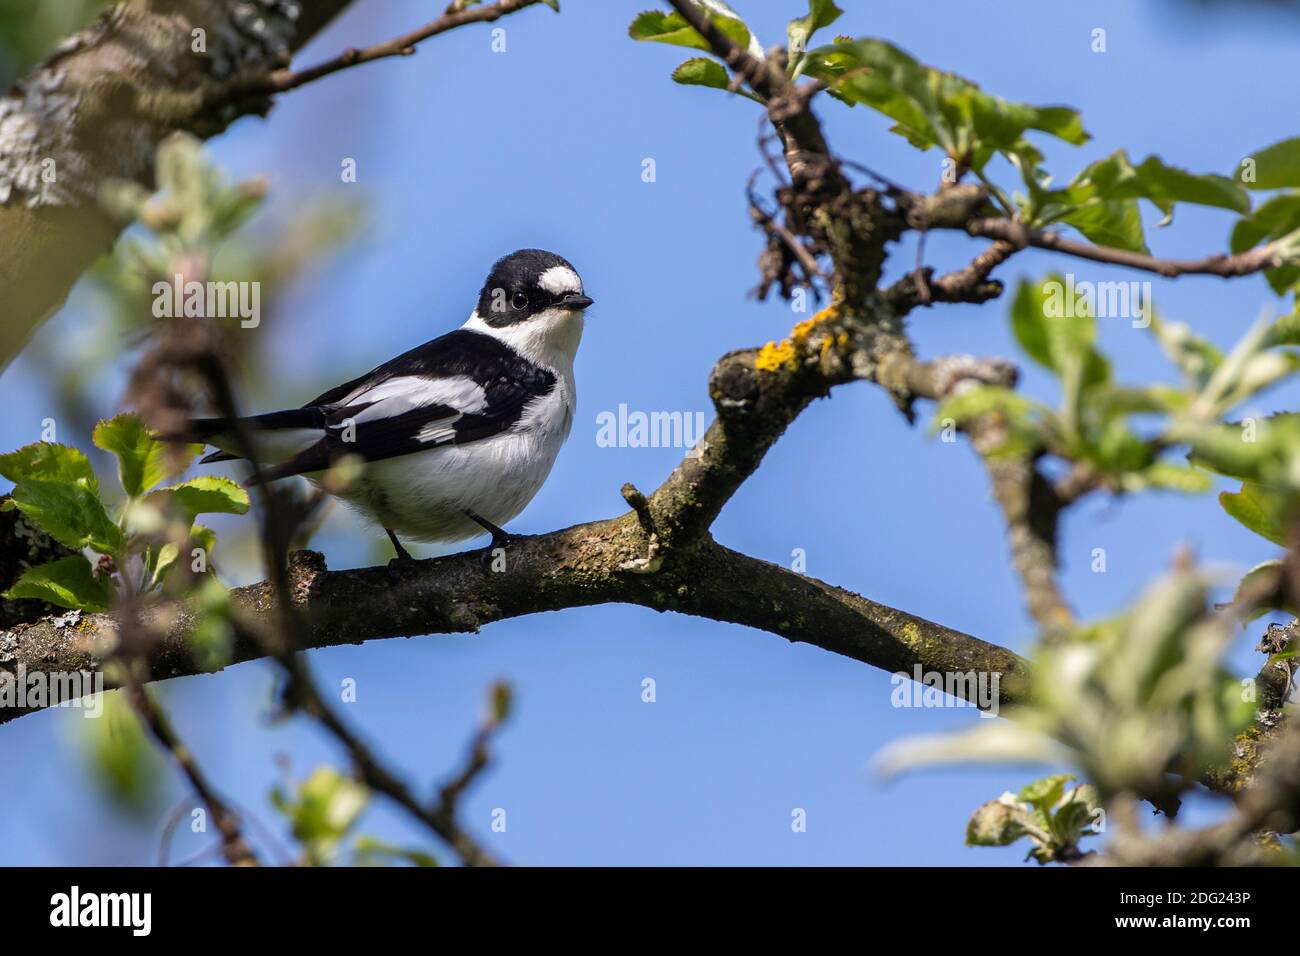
[{"x": 461, "y": 387}]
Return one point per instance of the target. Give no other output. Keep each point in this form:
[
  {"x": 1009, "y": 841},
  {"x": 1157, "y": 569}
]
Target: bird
[{"x": 458, "y": 434}]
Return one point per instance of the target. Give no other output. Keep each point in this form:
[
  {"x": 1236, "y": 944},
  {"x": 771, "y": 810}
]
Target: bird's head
[{"x": 534, "y": 302}]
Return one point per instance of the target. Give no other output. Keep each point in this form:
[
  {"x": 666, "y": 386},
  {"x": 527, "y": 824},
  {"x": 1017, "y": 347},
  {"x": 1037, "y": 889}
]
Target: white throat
[{"x": 549, "y": 339}]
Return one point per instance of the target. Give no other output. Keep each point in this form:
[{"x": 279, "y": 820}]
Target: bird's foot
[
  {"x": 403, "y": 559},
  {"x": 494, "y": 555}
]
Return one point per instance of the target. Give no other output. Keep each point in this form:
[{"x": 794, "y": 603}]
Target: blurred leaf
[
  {"x": 1132, "y": 695},
  {"x": 987, "y": 742},
  {"x": 821, "y": 13},
  {"x": 931, "y": 107},
  {"x": 1045, "y": 793},
  {"x": 1276, "y": 167},
  {"x": 1265, "y": 511},
  {"x": 1029, "y": 424},
  {"x": 1056, "y": 333},
  {"x": 67, "y": 582},
  {"x": 206, "y": 494},
  {"x": 1115, "y": 177},
  {"x": 29, "y": 30},
  {"x": 1286, "y": 330},
  {"x": 323, "y": 808},
  {"x": 1197, "y": 358},
  {"x": 1263, "y": 579},
  {"x": 1116, "y": 449},
  {"x": 1113, "y": 223},
  {"x": 1166, "y": 475},
  {"x": 1054, "y": 819},
  {"x": 68, "y": 512},
  {"x": 123, "y": 759},
  {"x": 998, "y": 824},
  {"x": 1274, "y": 220},
  {"x": 142, "y": 460},
  {"x": 672, "y": 28},
  {"x": 702, "y": 71},
  {"x": 370, "y": 851},
  {"x": 50, "y": 462}
]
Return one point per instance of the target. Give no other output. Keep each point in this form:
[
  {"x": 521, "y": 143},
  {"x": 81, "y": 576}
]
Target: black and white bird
[{"x": 458, "y": 434}]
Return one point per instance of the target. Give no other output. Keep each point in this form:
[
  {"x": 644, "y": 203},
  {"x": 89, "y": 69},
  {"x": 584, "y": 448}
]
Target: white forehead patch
[{"x": 559, "y": 279}]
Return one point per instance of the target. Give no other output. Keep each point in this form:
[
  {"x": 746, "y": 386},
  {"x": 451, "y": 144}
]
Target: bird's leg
[
  {"x": 499, "y": 540},
  {"x": 499, "y": 537},
  {"x": 402, "y": 553}
]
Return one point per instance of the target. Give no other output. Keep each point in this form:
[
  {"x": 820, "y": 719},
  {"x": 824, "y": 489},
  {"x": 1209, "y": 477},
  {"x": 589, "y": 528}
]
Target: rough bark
[{"x": 588, "y": 564}]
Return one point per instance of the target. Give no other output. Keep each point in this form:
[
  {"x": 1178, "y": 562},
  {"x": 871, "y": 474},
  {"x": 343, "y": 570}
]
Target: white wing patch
[
  {"x": 404, "y": 393},
  {"x": 439, "y": 431}
]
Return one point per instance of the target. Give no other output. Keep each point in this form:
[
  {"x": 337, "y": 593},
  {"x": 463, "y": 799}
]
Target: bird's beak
[{"x": 574, "y": 303}]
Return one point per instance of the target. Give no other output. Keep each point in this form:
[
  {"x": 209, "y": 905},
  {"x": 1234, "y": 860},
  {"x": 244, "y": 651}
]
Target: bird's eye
[{"x": 519, "y": 300}]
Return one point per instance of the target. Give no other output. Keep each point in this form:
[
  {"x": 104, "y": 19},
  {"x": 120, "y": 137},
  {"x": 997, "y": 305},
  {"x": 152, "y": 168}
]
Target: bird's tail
[{"x": 276, "y": 435}]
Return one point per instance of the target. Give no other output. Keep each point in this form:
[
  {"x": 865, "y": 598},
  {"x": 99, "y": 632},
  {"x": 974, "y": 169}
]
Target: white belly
[{"x": 424, "y": 496}]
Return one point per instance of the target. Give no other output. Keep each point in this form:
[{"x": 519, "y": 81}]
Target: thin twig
[
  {"x": 233, "y": 845},
  {"x": 456, "y": 15},
  {"x": 1020, "y": 236}
]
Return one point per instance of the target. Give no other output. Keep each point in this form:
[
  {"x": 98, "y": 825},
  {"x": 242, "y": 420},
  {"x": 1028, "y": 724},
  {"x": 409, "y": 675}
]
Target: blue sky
[{"x": 464, "y": 155}]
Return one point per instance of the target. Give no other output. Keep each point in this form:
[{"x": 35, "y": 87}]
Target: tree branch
[
  {"x": 282, "y": 81},
  {"x": 95, "y": 111},
  {"x": 1245, "y": 263},
  {"x": 575, "y": 567}
]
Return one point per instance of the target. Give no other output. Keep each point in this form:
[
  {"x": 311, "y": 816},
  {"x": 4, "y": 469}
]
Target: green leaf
[
  {"x": 1265, "y": 511},
  {"x": 1276, "y": 219},
  {"x": 1196, "y": 357},
  {"x": 1165, "y": 185},
  {"x": 1101, "y": 201},
  {"x": 371, "y": 850},
  {"x": 322, "y": 810},
  {"x": 142, "y": 460},
  {"x": 67, "y": 582},
  {"x": 1276, "y": 167},
  {"x": 1114, "y": 223},
  {"x": 1168, "y": 476},
  {"x": 206, "y": 494},
  {"x": 656, "y": 27},
  {"x": 49, "y": 462},
  {"x": 1045, "y": 793},
  {"x": 997, "y": 823},
  {"x": 1115, "y": 177},
  {"x": 1285, "y": 331},
  {"x": 1115, "y": 448},
  {"x": 701, "y": 71},
  {"x": 124, "y": 760},
  {"x": 932, "y": 107},
  {"x": 1263, "y": 578},
  {"x": 980, "y": 400},
  {"x": 1028, "y": 422},
  {"x": 1229, "y": 449},
  {"x": 70, "y": 513},
  {"x": 1056, "y": 332},
  {"x": 821, "y": 13}
]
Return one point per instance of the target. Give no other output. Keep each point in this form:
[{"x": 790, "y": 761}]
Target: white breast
[{"x": 423, "y": 496}]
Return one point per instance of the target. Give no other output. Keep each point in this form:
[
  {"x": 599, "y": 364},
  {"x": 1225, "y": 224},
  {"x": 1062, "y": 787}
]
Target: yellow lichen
[
  {"x": 787, "y": 352},
  {"x": 773, "y": 356}
]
